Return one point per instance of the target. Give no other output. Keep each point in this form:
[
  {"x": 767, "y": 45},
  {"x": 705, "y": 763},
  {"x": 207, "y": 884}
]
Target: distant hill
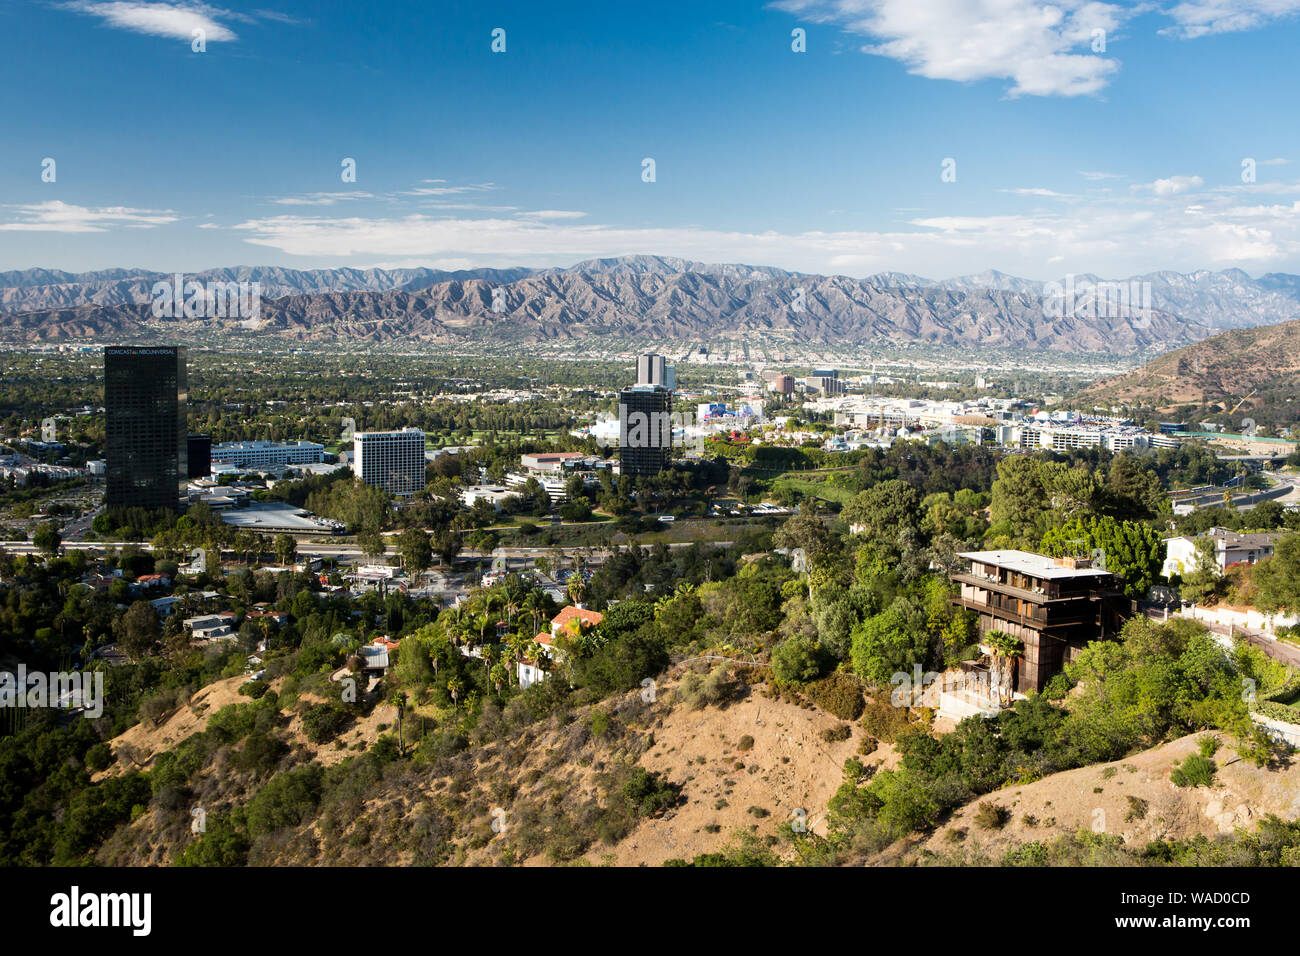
[
  {"x": 1261, "y": 365},
  {"x": 663, "y": 299},
  {"x": 33, "y": 290}
]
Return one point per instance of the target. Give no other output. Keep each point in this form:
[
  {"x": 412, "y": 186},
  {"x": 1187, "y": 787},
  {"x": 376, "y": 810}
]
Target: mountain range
[{"x": 664, "y": 299}]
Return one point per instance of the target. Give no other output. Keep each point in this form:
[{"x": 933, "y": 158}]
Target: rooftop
[{"x": 1026, "y": 562}]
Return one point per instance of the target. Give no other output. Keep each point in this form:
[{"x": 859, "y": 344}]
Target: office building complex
[
  {"x": 645, "y": 430},
  {"x": 393, "y": 461},
  {"x": 1054, "y": 605},
  {"x": 145, "y": 398},
  {"x": 269, "y": 454}
]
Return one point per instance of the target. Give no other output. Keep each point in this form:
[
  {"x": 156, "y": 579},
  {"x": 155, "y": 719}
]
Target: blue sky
[{"x": 1068, "y": 158}]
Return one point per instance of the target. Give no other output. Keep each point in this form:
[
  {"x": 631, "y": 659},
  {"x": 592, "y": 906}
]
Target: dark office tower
[
  {"x": 645, "y": 429},
  {"x": 199, "y": 452},
  {"x": 145, "y": 395}
]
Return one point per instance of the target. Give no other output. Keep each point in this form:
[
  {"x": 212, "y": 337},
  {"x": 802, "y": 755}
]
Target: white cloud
[
  {"x": 1173, "y": 185},
  {"x": 58, "y": 216},
  {"x": 1044, "y": 49},
  {"x": 1135, "y": 232},
  {"x": 1094, "y": 176},
  {"x": 321, "y": 199},
  {"x": 448, "y": 190},
  {"x": 174, "y": 20},
  {"x": 1205, "y": 17},
  {"x": 1037, "y": 191},
  {"x": 554, "y": 214}
]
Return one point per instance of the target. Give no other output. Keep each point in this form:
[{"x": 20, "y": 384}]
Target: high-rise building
[
  {"x": 645, "y": 429},
  {"x": 145, "y": 398},
  {"x": 825, "y": 384},
  {"x": 652, "y": 369},
  {"x": 393, "y": 461}
]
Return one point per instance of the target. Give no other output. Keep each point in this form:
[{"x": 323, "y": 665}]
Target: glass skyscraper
[{"x": 145, "y": 397}]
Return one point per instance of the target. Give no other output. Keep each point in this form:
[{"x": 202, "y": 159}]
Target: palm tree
[
  {"x": 398, "y": 700},
  {"x": 482, "y": 621},
  {"x": 500, "y": 674},
  {"x": 511, "y": 598},
  {"x": 454, "y": 686},
  {"x": 576, "y": 587},
  {"x": 532, "y": 606}
]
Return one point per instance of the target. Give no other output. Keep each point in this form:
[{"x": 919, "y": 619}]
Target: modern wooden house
[{"x": 1054, "y": 605}]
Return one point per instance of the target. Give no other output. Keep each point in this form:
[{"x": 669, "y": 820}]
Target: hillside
[
  {"x": 575, "y": 791},
  {"x": 559, "y": 788},
  {"x": 1132, "y": 798},
  {"x": 1262, "y": 363}
]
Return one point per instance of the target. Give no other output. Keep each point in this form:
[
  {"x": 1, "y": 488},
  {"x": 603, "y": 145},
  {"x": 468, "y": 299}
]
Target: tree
[
  {"x": 138, "y": 630},
  {"x": 891, "y": 642},
  {"x": 416, "y": 550},
  {"x": 807, "y": 532},
  {"x": 884, "y": 510},
  {"x": 1203, "y": 579},
  {"x": 399, "y": 700},
  {"x": 47, "y": 539},
  {"x": 286, "y": 548},
  {"x": 447, "y": 544},
  {"x": 1278, "y": 577},
  {"x": 796, "y": 660},
  {"x": 371, "y": 544},
  {"x": 1132, "y": 549},
  {"x": 1020, "y": 502},
  {"x": 454, "y": 686}
]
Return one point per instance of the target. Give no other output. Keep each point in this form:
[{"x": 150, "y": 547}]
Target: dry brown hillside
[
  {"x": 1261, "y": 362},
  {"x": 1097, "y": 798},
  {"x": 554, "y": 793}
]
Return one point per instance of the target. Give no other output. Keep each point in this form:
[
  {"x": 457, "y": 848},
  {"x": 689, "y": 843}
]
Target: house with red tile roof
[{"x": 569, "y": 622}]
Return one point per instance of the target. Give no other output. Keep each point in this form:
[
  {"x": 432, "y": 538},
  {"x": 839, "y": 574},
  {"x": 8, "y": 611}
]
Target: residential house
[
  {"x": 1230, "y": 547},
  {"x": 570, "y": 621},
  {"x": 1055, "y": 606},
  {"x": 208, "y": 628}
]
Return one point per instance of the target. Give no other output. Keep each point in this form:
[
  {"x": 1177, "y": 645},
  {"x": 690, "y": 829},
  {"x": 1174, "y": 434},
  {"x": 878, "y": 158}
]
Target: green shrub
[
  {"x": 1137, "y": 809},
  {"x": 99, "y": 757},
  {"x": 323, "y": 722},
  {"x": 836, "y": 734},
  {"x": 883, "y": 720},
  {"x": 839, "y": 695},
  {"x": 1196, "y": 771},
  {"x": 254, "y": 689},
  {"x": 650, "y": 793},
  {"x": 991, "y": 816}
]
